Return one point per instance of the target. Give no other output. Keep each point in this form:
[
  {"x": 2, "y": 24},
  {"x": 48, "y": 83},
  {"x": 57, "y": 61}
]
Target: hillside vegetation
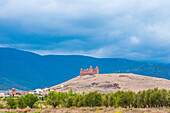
[{"x": 151, "y": 98}]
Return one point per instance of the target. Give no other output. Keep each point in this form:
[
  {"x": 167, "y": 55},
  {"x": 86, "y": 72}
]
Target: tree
[
  {"x": 21, "y": 103},
  {"x": 69, "y": 102},
  {"x": 2, "y": 106},
  {"x": 30, "y": 99},
  {"x": 117, "y": 98},
  {"x": 105, "y": 100},
  {"x": 63, "y": 98},
  {"x": 168, "y": 99},
  {"x": 18, "y": 93},
  {"x": 70, "y": 92},
  {"x": 147, "y": 98},
  {"x": 76, "y": 100},
  {"x": 12, "y": 103},
  {"x": 81, "y": 101},
  {"x": 127, "y": 99},
  {"x": 53, "y": 99},
  {"x": 164, "y": 97},
  {"x": 93, "y": 99}
]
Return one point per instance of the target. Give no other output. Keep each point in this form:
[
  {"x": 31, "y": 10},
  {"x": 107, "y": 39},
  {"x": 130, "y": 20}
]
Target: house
[
  {"x": 45, "y": 89},
  {"x": 52, "y": 89},
  {"x": 2, "y": 94},
  {"x": 62, "y": 86},
  {"x": 16, "y": 93},
  {"x": 38, "y": 91},
  {"x": 31, "y": 92}
]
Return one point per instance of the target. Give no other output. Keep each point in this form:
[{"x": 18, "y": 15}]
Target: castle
[{"x": 89, "y": 71}]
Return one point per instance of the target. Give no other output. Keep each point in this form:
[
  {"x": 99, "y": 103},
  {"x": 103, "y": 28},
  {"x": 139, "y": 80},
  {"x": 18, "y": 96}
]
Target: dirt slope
[{"x": 106, "y": 83}]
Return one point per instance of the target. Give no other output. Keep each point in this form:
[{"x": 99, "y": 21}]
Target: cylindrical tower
[{"x": 13, "y": 90}]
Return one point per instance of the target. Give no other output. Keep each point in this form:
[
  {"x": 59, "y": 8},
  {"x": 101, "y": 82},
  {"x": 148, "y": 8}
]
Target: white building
[
  {"x": 45, "y": 89},
  {"x": 62, "y": 86},
  {"x": 38, "y": 91},
  {"x": 31, "y": 92},
  {"x": 2, "y": 94},
  {"x": 51, "y": 89}
]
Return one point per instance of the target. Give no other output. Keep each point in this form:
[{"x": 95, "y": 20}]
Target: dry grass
[{"x": 92, "y": 110}]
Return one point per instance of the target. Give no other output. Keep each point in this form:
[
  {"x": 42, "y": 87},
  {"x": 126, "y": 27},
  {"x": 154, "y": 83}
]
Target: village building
[
  {"x": 89, "y": 71},
  {"x": 2, "y": 94},
  {"x": 52, "y": 89},
  {"x": 16, "y": 93},
  {"x": 38, "y": 91},
  {"x": 45, "y": 89},
  {"x": 31, "y": 92}
]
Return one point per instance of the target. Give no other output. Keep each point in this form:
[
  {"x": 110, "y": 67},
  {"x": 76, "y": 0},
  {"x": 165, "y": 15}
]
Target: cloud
[
  {"x": 134, "y": 40},
  {"x": 135, "y": 29},
  {"x": 3, "y": 45}
]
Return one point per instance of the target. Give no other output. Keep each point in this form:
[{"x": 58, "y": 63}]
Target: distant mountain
[
  {"x": 5, "y": 84},
  {"x": 26, "y": 70}
]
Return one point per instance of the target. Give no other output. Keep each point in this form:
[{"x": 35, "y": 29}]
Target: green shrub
[
  {"x": 2, "y": 106},
  {"x": 141, "y": 99},
  {"x": 53, "y": 99},
  {"x": 21, "y": 102},
  {"x": 93, "y": 99},
  {"x": 30, "y": 99},
  {"x": 12, "y": 102},
  {"x": 69, "y": 102}
]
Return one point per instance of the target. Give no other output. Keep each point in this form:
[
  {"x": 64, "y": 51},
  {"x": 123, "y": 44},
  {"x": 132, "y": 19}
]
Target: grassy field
[{"x": 90, "y": 110}]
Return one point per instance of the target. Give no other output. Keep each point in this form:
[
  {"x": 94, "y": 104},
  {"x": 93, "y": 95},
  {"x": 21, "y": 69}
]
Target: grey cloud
[{"x": 135, "y": 29}]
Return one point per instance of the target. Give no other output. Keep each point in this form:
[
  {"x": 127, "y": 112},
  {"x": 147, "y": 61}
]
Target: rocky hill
[{"x": 106, "y": 83}]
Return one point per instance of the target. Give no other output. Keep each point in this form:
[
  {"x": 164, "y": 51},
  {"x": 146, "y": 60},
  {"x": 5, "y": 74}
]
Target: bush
[
  {"x": 53, "y": 99},
  {"x": 93, "y": 99},
  {"x": 12, "y": 103},
  {"x": 36, "y": 104},
  {"x": 141, "y": 99},
  {"x": 2, "y": 106},
  {"x": 30, "y": 99},
  {"x": 69, "y": 102},
  {"x": 21, "y": 102}
]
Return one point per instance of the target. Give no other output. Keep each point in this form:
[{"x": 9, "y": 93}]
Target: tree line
[{"x": 126, "y": 99}]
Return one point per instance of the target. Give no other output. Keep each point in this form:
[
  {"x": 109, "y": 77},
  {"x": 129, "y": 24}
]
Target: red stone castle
[{"x": 89, "y": 71}]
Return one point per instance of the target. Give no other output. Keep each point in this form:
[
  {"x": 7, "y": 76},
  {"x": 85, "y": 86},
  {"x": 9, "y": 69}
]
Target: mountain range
[{"x": 26, "y": 70}]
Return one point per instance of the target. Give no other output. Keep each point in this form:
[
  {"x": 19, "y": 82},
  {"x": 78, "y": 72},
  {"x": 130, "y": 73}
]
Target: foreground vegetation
[
  {"x": 128, "y": 99},
  {"x": 142, "y": 99},
  {"x": 88, "y": 110}
]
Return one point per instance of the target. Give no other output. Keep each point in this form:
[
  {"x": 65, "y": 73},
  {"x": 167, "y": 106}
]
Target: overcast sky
[{"x": 133, "y": 29}]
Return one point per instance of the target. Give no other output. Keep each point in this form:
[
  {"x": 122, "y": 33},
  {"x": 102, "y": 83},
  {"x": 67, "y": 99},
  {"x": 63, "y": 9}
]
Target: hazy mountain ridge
[
  {"x": 5, "y": 83},
  {"x": 35, "y": 71}
]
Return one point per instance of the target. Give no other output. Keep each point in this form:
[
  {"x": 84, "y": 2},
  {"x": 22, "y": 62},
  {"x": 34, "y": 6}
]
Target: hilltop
[
  {"x": 26, "y": 70},
  {"x": 106, "y": 83}
]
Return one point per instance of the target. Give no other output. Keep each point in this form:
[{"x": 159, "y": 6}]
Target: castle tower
[
  {"x": 13, "y": 90},
  {"x": 81, "y": 72},
  {"x": 91, "y": 69},
  {"x": 97, "y": 68}
]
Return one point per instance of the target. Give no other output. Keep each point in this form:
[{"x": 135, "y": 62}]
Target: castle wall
[{"x": 89, "y": 71}]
